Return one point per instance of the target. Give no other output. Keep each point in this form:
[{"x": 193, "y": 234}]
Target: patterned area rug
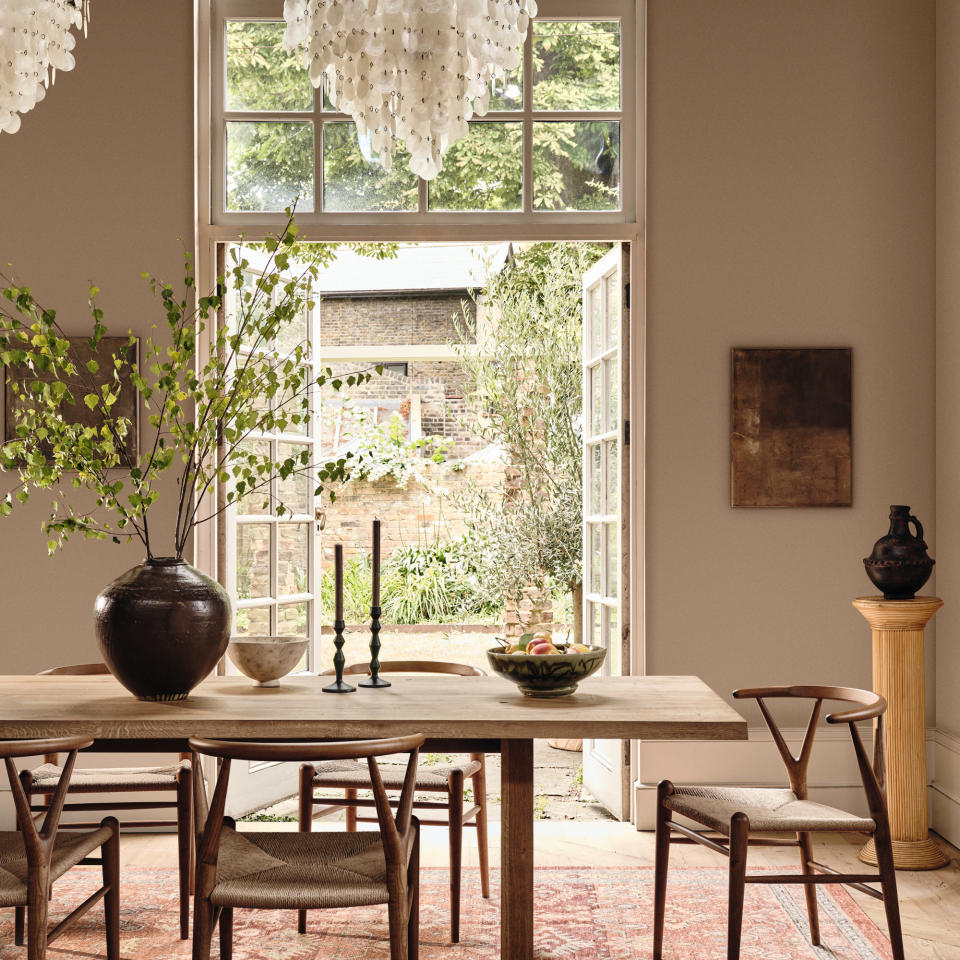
[{"x": 594, "y": 914}]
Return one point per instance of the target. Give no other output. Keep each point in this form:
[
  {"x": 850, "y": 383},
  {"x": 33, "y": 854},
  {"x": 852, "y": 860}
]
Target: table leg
[{"x": 516, "y": 850}]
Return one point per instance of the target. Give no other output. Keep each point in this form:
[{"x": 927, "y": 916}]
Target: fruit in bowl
[{"x": 542, "y": 668}]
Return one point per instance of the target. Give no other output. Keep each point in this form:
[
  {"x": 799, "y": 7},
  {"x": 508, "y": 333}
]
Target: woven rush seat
[
  {"x": 68, "y": 851},
  {"x": 130, "y": 779},
  {"x": 767, "y": 809},
  {"x": 350, "y": 774}
]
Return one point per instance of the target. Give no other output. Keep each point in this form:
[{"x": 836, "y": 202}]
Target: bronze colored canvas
[
  {"x": 790, "y": 438},
  {"x": 127, "y": 405}
]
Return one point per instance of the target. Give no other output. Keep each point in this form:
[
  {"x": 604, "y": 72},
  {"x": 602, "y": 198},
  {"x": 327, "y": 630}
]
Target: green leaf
[{"x": 91, "y": 400}]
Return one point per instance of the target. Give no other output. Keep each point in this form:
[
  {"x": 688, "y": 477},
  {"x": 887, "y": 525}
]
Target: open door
[{"x": 606, "y": 513}]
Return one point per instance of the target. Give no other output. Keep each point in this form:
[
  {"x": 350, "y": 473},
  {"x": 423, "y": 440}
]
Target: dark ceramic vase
[
  {"x": 162, "y": 626},
  {"x": 899, "y": 564}
]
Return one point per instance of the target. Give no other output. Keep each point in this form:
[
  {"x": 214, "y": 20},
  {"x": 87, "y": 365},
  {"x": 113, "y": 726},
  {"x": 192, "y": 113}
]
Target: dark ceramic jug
[
  {"x": 899, "y": 564},
  {"x": 162, "y": 626}
]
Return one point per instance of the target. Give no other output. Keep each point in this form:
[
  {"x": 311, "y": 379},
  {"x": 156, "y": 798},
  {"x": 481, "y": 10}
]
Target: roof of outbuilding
[{"x": 417, "y": 268}]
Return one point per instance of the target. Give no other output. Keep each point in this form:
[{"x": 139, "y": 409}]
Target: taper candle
[
  {"x": 338, "y": 580},
  {"x": 376, "y": 562}
]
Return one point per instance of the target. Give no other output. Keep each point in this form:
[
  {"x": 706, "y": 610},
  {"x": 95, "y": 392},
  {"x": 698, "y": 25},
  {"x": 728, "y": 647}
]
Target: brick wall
[
  {"x": 415, "y": 513},
  {"x": 365, "y": 321}
]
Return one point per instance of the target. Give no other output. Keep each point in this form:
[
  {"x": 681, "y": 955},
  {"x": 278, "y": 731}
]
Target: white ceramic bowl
[{"x": 266, "y": 659}]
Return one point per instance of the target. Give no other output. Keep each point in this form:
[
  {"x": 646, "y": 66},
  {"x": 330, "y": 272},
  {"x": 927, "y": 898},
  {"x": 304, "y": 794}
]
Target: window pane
[
  {"x": 293, "y": 333},
  {"x": 482, "y": 171},
  {"x": 613, "y": 310},
  {"x": 354, "y": 183},
  {"x": 596, "y": 479},
  {"x": 613, "y": 475},
  {"x": 292, "y": 619},
  {"x": 253, "y": 501},
  {"x": 269, "y": 165},
  {"x": 613, "y": 391},
  {"x": 253, "y": 560},
  {"x": 253, "y": 621},
  {"x": 576, "y": 65},
  {"x": 293, "y": 558},
  {"x": 294, "y": 492},
  {"x": 596, "y": 325},
  {"x": 612, "y": 664},
  {"x": 610, "y": 533},
  {"x": 576, "y": 165},
  {"x": 596, "y": 400},
  {"x": 261, "y": 75},
  {"x": 596, "y": 558},
  {"x": 506, "y": 93}
]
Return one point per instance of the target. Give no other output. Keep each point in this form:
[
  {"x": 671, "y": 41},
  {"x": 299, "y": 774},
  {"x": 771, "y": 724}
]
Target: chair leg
[
  {"x": 307, "y": 773},
  {"x": 399, "y": 931},
  {"x": 479, "y": 780},
  {"x": 661, "y": 865},
  {"x": 111, "y": 880},
  {"x": 739, "y": 834},
  {"x": 806, "y": 855},
  {"x": 226, "y": 933},
  {"x": 888, "y": 883},
  {"x": 455, "y": 835},
  {"x": 20, "y": 913},
  {"x": 37, "y": 898},
  {"x": 349, "y": 794},
  {"x": 413, "y": 895},
  {"x": 202, "y": 928},
  {"x": 185, "y": 846}
]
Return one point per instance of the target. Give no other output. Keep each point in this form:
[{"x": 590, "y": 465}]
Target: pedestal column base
[{"x": 909, "y": 855}]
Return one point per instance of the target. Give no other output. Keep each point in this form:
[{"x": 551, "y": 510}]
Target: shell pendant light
[
  {"x": 410, "y": 70},
  {"x": 35, "y": 42}
]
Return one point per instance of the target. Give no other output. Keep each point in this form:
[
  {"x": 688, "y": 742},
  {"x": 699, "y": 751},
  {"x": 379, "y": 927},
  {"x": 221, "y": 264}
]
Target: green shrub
[
  {"x": 357, "y": 590},
  {"x": 434, "y": 583}
]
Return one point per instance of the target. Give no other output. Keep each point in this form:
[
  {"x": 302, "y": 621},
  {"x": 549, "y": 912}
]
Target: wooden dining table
[{"x": 474, "y": 714}]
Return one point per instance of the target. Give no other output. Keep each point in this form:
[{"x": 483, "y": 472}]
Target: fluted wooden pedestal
[{"x": 898, "y": 674}]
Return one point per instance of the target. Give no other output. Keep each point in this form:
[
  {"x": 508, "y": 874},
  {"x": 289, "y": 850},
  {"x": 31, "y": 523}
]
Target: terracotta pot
[
  {"x": 162, "y": 626},
  {"x": 899, "y": 564}
]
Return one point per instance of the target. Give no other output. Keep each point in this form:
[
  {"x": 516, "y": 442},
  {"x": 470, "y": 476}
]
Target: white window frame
[
  {"x": 626, "y": 226},
  {"x": 626, "y": 116}
]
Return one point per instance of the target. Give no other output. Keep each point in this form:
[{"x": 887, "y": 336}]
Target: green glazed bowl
[{"x": 549, "y": 674}]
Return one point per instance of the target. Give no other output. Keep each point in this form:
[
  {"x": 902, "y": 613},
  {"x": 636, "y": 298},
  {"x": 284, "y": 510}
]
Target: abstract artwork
[
  {"x": 127, "y": 404},
  {"x": 790, "y": 438}
]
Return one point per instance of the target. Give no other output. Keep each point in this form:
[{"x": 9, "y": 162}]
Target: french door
[
  {"x": 606, "y": 503},
  {"x": 273, "y": 560}
]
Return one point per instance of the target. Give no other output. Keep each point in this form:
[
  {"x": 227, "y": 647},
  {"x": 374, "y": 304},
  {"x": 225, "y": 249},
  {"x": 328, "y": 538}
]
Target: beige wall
[
  {"x": 791, "y": 203},
  {"x": 96, "y": 186},
  {"x": 946, "y": 795}
]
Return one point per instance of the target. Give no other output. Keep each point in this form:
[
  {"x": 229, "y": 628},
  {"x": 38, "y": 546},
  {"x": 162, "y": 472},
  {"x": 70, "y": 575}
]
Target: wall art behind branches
[
  {"x": 81, "y": 353},
  {"x": 790, "y": 438}
]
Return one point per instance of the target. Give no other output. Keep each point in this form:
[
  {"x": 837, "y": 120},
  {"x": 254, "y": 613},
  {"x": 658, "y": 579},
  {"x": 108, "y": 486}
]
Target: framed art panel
[
  {"x": 127, "y": 405},
  {"x": 790, "y": 438}
]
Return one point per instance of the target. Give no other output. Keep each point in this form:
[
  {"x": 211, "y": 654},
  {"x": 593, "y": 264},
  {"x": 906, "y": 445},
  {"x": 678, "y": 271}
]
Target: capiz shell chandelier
[
  {"x": 35, "y": 42},
  {"x": 410, "y": 70}
]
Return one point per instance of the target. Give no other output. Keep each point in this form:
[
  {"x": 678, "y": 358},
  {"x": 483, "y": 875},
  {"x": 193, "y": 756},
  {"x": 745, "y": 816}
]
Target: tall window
[{"x": 557, "y": 142}]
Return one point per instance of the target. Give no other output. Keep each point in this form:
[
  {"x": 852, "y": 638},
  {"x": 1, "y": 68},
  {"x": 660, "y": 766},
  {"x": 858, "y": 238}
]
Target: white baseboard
[
  {"x": 945, "y": 787},
  {"x": 833, "y": 776}
]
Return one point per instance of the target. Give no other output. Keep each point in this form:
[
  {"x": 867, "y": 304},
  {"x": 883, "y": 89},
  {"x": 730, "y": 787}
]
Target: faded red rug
[{"x": 590, "y": 914}]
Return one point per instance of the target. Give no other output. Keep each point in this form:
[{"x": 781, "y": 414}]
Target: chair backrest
[
  {"x": 39, "y": 843},
  {"x": 413, "y": 666},
  {"x": 76, "y": 670},
  {"x": 394, "y": 829},
  {"x": 868, "y": 706}
]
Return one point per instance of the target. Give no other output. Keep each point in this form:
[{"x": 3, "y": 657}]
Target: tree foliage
[
  {"x": 576, "y": 65},
  {"x": 204, "y": 413},
  {"x": 528, "y": 396}
]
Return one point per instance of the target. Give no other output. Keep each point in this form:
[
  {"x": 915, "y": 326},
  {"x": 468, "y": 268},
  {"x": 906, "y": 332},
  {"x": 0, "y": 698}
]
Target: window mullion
[{"x": 527, "y": 122}]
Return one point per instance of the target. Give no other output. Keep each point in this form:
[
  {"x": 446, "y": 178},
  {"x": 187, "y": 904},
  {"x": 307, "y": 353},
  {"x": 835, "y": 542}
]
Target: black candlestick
[
  {"x": 338, "y": 686},
  {"x": 374, "y": 680}
]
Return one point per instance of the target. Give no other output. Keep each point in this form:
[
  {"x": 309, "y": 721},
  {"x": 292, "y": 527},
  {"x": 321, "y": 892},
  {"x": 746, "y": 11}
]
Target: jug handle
[{"x": 919, "y": 528}]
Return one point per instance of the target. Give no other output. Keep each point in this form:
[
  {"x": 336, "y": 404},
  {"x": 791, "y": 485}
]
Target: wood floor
[{"x": 929, "y": 901}]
